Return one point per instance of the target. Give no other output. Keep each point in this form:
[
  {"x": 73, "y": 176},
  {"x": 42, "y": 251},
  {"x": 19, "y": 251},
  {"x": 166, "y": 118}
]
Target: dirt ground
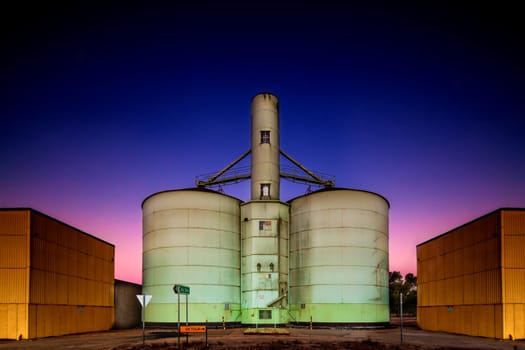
[{"x": 298, "y": 338}]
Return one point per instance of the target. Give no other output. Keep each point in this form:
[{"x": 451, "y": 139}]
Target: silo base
[
  {"x": 331, "y": 325},
  {"x": 265, "y": 317},
  {"x": 340, "y": 314}
]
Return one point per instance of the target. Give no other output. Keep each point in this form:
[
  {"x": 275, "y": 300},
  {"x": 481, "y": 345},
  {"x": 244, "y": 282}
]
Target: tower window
[
  {"x": 265, "y": 191},
  {"x": 265, "y": 136}
]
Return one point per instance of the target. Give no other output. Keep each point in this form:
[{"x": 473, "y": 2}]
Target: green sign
[{"x": 180, "y": 289}]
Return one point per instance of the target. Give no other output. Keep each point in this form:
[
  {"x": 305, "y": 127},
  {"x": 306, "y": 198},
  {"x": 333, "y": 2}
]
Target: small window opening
[
  {"x": 271, "y": 267},
  {"x": 265, "y": 136},
  {"x": 265, "y": 314},
  {"x": 265, "y": 191},
  {"x": 258, "y": 266}
]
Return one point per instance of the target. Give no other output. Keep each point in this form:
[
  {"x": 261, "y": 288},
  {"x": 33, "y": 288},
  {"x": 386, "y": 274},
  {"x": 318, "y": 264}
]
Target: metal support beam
[
  {"x": 316, "y": 179},
  {"x": 212, "y": 179}
]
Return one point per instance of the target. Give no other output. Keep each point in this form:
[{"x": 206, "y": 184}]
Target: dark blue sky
[{"x": 103, "y": 104}]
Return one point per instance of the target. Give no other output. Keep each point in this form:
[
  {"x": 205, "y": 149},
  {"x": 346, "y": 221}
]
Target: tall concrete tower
[
  {"x": 264, "y": 226},
  {"x": 265, "y": 220},
  {"x": 265, "y": 147}
]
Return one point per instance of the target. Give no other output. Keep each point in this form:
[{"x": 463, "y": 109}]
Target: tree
[{"x": 407, "y": 286}]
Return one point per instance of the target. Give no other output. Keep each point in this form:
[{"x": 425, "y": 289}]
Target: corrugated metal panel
[
  {"x": 429, "y": 318},
  {"x": 38, "y": 253},
  {"x": 439, "y": 272},
  {"x": 519, "y": 321},
  {"x": 444, "y": 319},
  {"x": 62, "y": 289},
  {"x": 448, "y": 292},
  {"x": 72, "y": 287},
  {"x": 38, "y": 283},
  {"x": 470, "y": 260},
  {"x": 457, "y": 291},
  {"x": 459, "y": 239},
  {"x": 487, "y": 287},
  {"x": 82, "y": 243},
  {"x": 480, "y": 288},
  {"x": 82, "y": 265},
  {"x": 13, "y": 323},
  {"x": 458, "y": 262},
  {"x": 13, "y": 251},
  {"x": 463, "y": 319},
  {"x": 513, "y": 222},
  {"x": 72, "y": 262},
  {"x": 61, "y": 259},
  {"x": 14, "y": 222},
  {"x": 71, "y": 237},
  {"x": 91, "y": 267},
  {"x": 494, "y": 286},
  {"x": 480, "y": 254},
  {"x": 51, "y": 255},
  {"x": 54, "y": 320},
  {"x": 13, "y": 286},
  {"x": 448, "y": 242},
  {"x": 498, "y": 321},
  {"x": 468, "y": 289},
  {"x": 493, "y": 252},
  {"x": 448, "y": 260},
  {"x": 107, "y": 273},
  {"x": 477, "y": 320},
  {"x": 44, "y": 227},
  {"x": 82, "y": 291},
  {"x": 51, "y": 288},
  {"x": 485, "y": 320},
  {"x": 515, "y": 286},
  {"x": 514, "y": 246},
  {"x": 517, "y": 328}
]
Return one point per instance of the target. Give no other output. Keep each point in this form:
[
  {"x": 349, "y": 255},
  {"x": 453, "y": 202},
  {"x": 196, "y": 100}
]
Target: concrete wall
[{"x": 127, "y": 306}]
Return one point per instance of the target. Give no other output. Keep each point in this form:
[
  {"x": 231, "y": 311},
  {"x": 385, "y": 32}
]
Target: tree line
[{"x": 406, "y": 285}]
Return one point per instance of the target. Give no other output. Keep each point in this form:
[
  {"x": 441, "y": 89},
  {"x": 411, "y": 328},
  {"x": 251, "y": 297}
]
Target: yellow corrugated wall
[
  {"x": 14, "y": 272},
  {"x": 72, "y": 280},
  {"x": 513, "y": 229},
  {"x": 459, "y": 280}
]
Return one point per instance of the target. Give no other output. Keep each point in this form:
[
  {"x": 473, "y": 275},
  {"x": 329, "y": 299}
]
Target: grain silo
[
  {"x": 191, "y": 237},
  {"x": 339, "y": 257},
  {"x": 321, "y": 257}
]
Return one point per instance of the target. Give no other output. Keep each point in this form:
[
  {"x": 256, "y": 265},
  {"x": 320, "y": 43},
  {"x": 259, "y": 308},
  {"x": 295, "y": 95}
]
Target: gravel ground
[{"x": 299, "y": 338}]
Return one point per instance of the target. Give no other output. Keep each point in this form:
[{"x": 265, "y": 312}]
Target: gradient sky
[{"x": 102, "y": 105}]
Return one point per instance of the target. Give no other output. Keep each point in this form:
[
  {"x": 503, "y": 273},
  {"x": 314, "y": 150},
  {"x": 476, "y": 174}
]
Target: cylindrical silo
[
  {"x": 192, "y": 237},
  {"x": 265, "y": 147},
  {"x": 339, "y": 257}
]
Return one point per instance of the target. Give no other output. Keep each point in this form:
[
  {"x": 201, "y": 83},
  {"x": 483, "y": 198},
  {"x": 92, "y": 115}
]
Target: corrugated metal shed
[
  {"x": 471, "y": 279},
  {"x": 54, "y": 278}
]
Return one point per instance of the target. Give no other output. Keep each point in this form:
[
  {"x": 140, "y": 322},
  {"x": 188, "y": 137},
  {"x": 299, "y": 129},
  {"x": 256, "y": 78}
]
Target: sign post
[
  {"x": 180, "y": 289},
  {"x": 401, "y": 314},
  {"x": 144, "y": 300}
]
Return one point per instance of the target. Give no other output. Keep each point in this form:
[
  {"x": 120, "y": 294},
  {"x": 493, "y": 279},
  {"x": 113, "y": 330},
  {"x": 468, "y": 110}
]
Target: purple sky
[{"x": 103, "y": 105}]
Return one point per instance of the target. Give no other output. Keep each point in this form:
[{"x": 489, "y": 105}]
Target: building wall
[
  {"x": 71, "y": 279},
  {"x": 463, "y": 284},
  {"x": 68, "y": 281},
  {"x": 14, "y": 273},
  {"x": 127, "y": 306},
  {"x": 513, "y": 236}
]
